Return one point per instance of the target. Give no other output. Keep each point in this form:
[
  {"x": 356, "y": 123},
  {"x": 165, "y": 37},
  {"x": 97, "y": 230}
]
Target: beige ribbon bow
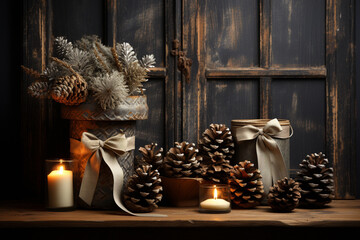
[
  {"x": 270, "y": 160},
  {"x": 106, "y": 150}
]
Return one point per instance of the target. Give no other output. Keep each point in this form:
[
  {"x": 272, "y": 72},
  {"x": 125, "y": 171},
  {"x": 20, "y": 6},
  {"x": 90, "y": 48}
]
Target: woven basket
[{"x": 91, "y": 118}]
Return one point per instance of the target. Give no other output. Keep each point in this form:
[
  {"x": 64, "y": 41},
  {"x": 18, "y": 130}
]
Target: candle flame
[
  {"x": 61, "y": 169},
  {"x": 215, "y": 192}
]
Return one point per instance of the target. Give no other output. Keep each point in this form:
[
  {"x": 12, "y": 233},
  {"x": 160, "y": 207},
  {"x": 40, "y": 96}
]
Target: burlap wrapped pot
[{"x": 89, "y": 117}]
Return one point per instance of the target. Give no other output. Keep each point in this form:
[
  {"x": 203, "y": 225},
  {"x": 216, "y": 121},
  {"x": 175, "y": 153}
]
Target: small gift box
[{"x": 266, "y": 143}]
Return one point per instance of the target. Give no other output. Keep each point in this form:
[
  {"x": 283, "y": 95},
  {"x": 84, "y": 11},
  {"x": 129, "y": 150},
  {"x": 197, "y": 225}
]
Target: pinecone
[
  {"x": 152, "y": 156},
  {"x": 182, "y": 161},
  {"x": 217, "y": 138},
  {"x": 69, "y": 90},
  {"x": 38, "y": 89},
  {"x": 217, "y": 168},
  {"x": 246, "y": 187},
  {"x": 316, "y": 181},
  {"x": 284, "y": 196},
  {"x": 142, "y": 191}
]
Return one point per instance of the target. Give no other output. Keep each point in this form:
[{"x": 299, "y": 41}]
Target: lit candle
[
  {"x": 215, "y": 203},
  {"x": 60, "y": 188}
]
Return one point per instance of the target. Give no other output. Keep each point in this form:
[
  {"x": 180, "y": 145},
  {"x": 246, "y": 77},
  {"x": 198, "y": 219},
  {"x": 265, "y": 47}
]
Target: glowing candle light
[
  {"x": 60, "y": 188},
  {"x": 215, "y": 203}
]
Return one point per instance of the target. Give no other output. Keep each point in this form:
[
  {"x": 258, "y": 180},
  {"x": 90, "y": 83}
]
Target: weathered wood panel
[
  {"x": 303, "y": 102},
  {"x": 152, "y": 130},
  {"x": 299, "y": 42},
  {"x": 231, "y": 43},
  {"x": 231, "y": 33},
  {"x": 340, "y": 111},
  {"x": 232, "y": 99},
  {"x": 142, "y": 24},
  {"x": 74, "y": 19},
  {"x": 298, "y": 33},
  {"x": 191, "y": 92},
  {"x": 36, "y": 118}
]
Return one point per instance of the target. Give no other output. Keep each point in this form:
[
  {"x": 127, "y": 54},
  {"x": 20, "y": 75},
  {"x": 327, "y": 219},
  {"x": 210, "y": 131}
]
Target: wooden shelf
[
  {"x": 340, "y": 213},
  {"x": 338, "y": 221}
]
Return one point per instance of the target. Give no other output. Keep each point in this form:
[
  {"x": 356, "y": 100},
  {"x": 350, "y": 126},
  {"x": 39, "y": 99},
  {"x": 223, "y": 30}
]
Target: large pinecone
[
  {"x": 316, "y": 181},
  {"x": 246, "y": 187},
  {"x": 151, "y": 155},
  {"x": 217, "y": 138},
  {"x": 182, "y": 161},
  {"x": 69, "y": 90},
  {"x": 217, "y": 168},
  {"x": 284, "y": 196},
  {"x": 142, "y": 192}
]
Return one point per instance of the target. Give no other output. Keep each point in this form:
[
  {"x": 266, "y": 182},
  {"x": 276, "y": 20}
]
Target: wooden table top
[{"x": 339, "y": 213}]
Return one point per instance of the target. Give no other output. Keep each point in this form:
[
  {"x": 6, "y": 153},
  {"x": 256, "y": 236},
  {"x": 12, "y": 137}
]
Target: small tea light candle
[
  {"x": 214, "y": 198},
  {"x": 60, "y": 186}
]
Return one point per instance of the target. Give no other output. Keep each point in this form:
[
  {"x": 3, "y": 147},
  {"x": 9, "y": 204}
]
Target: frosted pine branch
[
  {"x": 148, "y": 61},
  {"x": 126, "y": 53},
  {"x": 86, "y": 43},
  {"x": 63, "y": 47}
]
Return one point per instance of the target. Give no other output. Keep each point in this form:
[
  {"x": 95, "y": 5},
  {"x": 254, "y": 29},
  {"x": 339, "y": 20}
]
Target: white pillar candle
[
  {"x": 60, "y": 188},
  {"x": 215, "y": 203}
]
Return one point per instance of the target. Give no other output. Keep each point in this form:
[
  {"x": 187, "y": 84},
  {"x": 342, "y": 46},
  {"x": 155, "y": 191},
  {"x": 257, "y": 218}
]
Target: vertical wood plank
[
  {"x": 191, "y": 90},
  {"x": 265, "y": 57},
  {"x": 340, "y": 128},
  {"x": 265, "y": 33},
  {"x": 110, "y": 24},
  {"x": 34, "y": 130},
  {"x": 172, "y": 31},
  {"x": 265, "y": 97}
]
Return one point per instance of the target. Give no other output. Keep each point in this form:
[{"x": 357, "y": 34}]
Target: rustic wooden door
[{"x": 288, "y": 59}]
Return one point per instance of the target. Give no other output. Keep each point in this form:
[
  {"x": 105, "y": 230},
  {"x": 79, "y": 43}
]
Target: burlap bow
[
  {"x": 270, "y": 160},
  {"x": 106, "y": 150}
]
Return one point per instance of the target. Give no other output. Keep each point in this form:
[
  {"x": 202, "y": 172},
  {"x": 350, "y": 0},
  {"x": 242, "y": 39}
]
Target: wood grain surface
[{"x": 340, "y": 213}]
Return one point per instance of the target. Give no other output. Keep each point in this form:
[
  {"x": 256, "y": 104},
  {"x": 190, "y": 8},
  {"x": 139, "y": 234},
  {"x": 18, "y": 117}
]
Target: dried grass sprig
[
  {"x": 116, "y": 58},
  {"x": 33, "y": 73},
  {"x": 100, "y": 60}
]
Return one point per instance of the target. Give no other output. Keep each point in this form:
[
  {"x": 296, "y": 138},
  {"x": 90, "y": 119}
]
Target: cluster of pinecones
[{"x": 211, "y": 161}]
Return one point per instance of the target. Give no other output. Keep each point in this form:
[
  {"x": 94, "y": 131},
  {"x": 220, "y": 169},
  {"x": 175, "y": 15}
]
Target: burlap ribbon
[
  {"x": 106, "y": 150},
  {"x": 270, "y": 160}
]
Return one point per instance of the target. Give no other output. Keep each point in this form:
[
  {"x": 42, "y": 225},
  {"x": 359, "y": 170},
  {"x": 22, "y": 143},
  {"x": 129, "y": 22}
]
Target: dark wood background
[{"x": 292, "y": 59}]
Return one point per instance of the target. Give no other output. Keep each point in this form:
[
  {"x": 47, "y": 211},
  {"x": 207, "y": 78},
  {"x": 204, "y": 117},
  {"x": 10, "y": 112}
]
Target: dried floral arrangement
[{"x": 90, "y": 71}]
